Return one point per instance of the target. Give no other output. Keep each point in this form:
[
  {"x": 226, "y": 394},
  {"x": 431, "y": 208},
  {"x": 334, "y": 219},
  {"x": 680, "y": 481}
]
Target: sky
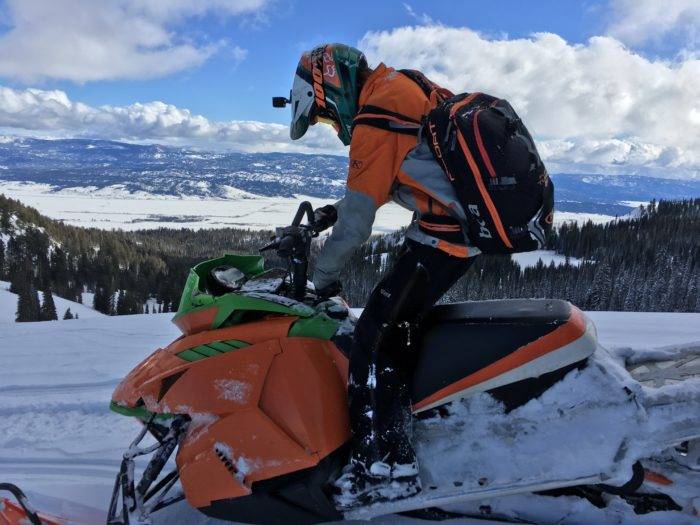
[{"x": 606, "y": 86}]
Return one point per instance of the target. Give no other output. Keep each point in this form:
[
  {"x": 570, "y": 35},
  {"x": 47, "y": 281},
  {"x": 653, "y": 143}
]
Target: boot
[{"x": 361, "y": 485}]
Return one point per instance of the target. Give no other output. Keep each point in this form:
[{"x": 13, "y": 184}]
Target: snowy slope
[
  {"x": 109, "y": 208},
  {"x": 117, "y": 208},
  {"x": 8, "y": 306},
  {"x": 531, "y": 259},
  {"x": 58, "y": 437}
]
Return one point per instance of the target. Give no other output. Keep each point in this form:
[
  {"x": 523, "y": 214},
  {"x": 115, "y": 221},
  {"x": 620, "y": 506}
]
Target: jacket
[{"x": 386, "y": 166}]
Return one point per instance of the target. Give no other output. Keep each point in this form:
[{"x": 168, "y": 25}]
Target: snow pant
[{"x": 384, "y": 351}]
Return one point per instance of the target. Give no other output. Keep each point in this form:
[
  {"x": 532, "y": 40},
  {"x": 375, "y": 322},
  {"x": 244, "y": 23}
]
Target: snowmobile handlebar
[{"x": 293, "y": 243}]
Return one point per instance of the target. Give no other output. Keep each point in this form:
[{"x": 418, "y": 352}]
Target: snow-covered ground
[
  {"x": 8, "y": 305},
  {"x": 58, "y": 437},
  {"x": 115, "y": 208},
  {"x": 530, "y": 259}
]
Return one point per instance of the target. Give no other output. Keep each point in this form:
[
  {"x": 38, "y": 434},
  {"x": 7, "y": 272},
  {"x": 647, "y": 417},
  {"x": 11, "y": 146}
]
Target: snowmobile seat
[
  {"x": 478, "y": 346},
  {"x": 518, "y": 311}
]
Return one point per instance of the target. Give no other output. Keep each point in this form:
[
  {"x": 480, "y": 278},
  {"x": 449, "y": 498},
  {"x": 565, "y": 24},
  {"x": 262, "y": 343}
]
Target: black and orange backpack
[{"x": 491, "y": 160}]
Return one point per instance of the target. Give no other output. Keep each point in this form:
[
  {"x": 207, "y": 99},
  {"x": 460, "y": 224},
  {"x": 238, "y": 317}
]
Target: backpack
[{"x": 488, "y": 155}]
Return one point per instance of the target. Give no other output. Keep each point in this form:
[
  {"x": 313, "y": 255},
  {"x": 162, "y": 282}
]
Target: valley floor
[
  {"x": 113, "y": 208},
  {"x": 59, "y": 438}
]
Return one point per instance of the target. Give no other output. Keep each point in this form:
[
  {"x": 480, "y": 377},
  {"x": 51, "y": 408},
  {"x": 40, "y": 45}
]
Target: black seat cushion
[
  {"x": 503, "y": 310},
  {"x": 460, "y": 339}
]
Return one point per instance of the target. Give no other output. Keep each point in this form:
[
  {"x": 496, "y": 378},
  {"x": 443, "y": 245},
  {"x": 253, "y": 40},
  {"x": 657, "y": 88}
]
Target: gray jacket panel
[
  {"x": 356, "y": 212},
  {"x": 421, "y": 166}
]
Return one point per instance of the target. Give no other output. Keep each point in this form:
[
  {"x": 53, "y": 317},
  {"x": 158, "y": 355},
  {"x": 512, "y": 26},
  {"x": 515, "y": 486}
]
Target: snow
[
  {"x": 530, "y": 259},
  {"x": 8, "y": 305},
  {"x": 233, "y": 390},
  {"x": 115, "y": 208},
  {"x": 59, "y": 438}
]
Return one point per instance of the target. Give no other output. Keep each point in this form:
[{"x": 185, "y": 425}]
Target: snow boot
[{"x": 360, "y": 485}]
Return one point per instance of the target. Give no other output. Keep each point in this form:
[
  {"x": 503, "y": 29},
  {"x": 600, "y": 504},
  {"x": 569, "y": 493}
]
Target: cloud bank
[
  {"x": 52, "y": 113},
  {"x": 640, "y": 21},
  {"x": 592, "y": 103}
]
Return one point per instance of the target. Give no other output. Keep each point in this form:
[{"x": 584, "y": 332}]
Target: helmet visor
[{"x": 302, "y": 97}]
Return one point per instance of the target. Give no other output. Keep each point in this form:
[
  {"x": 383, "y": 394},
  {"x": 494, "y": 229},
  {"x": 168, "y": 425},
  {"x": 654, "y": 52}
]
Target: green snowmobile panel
[{"x": 196, "y": 299}]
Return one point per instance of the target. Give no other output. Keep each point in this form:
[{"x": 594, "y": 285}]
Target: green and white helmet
[{"x": 326, "y": 89}]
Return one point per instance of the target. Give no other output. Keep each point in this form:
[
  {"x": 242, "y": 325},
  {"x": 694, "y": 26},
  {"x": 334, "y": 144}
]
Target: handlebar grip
[{"x": 304, "y": 208}]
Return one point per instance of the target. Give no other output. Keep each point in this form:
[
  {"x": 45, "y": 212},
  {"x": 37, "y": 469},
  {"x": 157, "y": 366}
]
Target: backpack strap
[
  {"x": 436, "y": 94},
  {"x": 381, "y": 118}
]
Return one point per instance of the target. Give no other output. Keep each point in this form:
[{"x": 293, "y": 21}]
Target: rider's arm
[{"x": 370, "y": 177}]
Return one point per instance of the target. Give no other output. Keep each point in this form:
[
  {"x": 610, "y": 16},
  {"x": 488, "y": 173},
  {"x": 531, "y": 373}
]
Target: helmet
[{"x": 326, "y": 90}]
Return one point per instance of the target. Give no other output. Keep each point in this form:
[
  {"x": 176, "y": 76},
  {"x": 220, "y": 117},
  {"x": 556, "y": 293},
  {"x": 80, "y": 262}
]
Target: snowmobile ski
[{"x": 444, "y": 496}]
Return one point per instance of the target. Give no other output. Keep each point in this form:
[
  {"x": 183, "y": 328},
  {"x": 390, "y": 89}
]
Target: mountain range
[{"x": 164, "y": 170}]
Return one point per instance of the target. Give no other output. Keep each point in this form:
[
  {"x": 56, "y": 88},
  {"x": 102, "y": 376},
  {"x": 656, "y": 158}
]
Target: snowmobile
[{"x": 509, "y": 397}]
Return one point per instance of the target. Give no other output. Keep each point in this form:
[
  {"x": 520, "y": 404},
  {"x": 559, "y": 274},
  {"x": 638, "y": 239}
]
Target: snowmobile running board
[{"x": 437, "y": 497}]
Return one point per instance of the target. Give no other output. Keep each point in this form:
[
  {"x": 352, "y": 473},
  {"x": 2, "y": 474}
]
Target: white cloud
[
  {"x": 52, "y": 113},
  {"x": 597, "y": 102},
  {"x": 639, "y": 21},
  {"x": 84, "y": 40},
  {"x": 422, "y": 18}
]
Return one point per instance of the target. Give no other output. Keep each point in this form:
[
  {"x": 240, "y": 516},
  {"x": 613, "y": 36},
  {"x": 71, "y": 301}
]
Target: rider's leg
[{"x": 379, "y": 398}]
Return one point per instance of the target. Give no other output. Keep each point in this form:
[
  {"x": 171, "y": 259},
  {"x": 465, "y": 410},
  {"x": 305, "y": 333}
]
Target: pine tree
[
  {"x": 5, "y": 220},
  {"x": 2, "y": 260},
  {"x": 28, "y": 308},
  {"x": 103, "y": 300},
  {"x": 121, "y": 308},
  {"x": 68, "y": 314},
  {"x": 601, "y": 288},
  {"x": 48, "y": 307}
]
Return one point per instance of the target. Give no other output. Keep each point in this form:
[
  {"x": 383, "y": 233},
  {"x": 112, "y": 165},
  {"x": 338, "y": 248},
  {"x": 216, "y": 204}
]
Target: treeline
[
  {"x": 124, "y": 271},
  {"x": 649, "y": 263}
]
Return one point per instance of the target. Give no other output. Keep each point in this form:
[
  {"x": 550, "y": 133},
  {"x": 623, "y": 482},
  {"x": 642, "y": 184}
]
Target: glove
[
  {"x": 330, "y": 290},
  {"x": 325, "y": 217}
]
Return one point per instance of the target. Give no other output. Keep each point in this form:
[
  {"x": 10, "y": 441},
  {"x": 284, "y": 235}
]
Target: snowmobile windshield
[{"x": 229, "y": 277}]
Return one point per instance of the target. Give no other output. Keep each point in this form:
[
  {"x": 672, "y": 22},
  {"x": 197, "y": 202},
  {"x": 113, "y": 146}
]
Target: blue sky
[
  {"x": 606, "y": 86},
  {"x": 226, "y": 89},
  {"x": 221, "y": 89}
]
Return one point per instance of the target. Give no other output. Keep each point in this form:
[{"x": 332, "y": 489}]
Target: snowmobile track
[{"x": 660, "y": 372}]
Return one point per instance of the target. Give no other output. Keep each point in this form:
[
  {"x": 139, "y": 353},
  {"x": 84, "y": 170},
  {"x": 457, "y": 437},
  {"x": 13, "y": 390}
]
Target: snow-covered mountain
[{"x": 168, "y": 171}]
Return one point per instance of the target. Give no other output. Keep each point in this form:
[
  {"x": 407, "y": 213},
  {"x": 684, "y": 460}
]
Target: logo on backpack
[{"x": 483, "y": 230}]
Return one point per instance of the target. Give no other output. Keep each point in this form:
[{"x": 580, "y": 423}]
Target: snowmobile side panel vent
[{"x": 168, "y": 382}]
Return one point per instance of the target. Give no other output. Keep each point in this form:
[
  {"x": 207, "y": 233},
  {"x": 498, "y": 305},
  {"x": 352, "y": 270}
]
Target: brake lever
[{"x": 272, "y": 246}]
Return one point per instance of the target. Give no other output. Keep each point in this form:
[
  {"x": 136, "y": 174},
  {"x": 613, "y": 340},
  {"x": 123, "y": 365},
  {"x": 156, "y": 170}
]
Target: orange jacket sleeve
[{"x": 372, "y": 163}]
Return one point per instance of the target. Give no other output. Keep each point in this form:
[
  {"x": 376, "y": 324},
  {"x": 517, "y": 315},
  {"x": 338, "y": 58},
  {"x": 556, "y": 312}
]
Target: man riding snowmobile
[{"x": 378, "y": 112}]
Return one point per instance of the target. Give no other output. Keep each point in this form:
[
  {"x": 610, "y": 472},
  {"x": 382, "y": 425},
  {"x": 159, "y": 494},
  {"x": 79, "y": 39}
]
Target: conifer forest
[{"x": 649, "y": 262}]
